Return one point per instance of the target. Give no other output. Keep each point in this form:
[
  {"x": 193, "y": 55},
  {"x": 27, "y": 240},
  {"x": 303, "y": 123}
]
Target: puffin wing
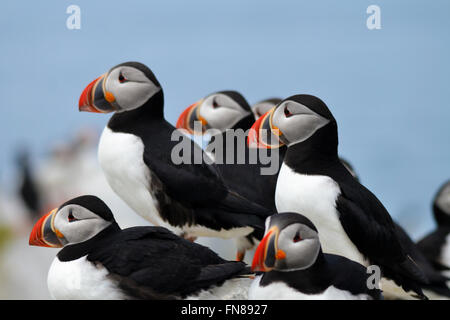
[
  {"x": 431, "y": 246},
  {"x": 200, "y": 187},
  {"x": 370, "y": 227},
  {"x": 153, "y": 263}
]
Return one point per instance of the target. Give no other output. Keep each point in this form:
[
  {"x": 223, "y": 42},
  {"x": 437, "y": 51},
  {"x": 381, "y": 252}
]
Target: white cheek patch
[
  {"x": 301, "y": 125},
  {"x": 262, "y": 108},
  {"x": 86, "y": 226},
  {"x": 221, "y": 118},
  {"x": 133, "y": 92},
  {"x": 301, "y": 254},
  {"x": 443, "y": 200}
]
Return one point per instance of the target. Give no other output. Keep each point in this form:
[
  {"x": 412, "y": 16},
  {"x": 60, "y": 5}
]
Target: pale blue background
[{"x": 388, "y": 88}]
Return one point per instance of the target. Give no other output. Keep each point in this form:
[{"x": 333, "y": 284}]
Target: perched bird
[
  {"x": 437, "y": 287},
  {"x": 228, "y": 115},
  {"x": 436, "y": 245},
  {"x": 263, "y": 106},
  {"x": 294, "y": 266},
  {"x": 99, "y": 260},
  {"x": 313, "y": 181},
  {"x": 136, "y": 155}
]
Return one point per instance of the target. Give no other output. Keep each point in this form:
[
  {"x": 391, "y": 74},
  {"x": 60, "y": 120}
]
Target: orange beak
[
  {"x": 267, "y": 252},
  {"x": 95, "y": 98},
  {"x": 263, "y": 134},
  {"x": 188, "y": 117},
  {"x": 44, "y": 234},
  {"x": 260, "y": 254}
]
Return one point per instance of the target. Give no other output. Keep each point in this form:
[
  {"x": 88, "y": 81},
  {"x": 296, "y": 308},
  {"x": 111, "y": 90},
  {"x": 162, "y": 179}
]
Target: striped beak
[
  {"x": 263, "y": 134},
  {"x": 189, "y": 117},
  {"x": 44, "y": 234},
  {"x": 95, "y": 98},
  {"x": 267, "y": 252}
]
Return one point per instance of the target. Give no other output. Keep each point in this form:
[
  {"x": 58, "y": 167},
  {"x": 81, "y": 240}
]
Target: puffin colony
[{"x": 317, "y": 230}]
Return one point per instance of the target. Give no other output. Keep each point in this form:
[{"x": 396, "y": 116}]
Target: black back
[{"x": 153, "y": 263}]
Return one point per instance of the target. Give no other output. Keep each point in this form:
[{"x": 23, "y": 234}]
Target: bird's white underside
[
  {"x": 444, "y": 257},
  {"x": 280, "y": 291},
  {"x": 121, "y": 158},
  {"x": 81, "y": 280},
  {"x": 315, "y": 198}
]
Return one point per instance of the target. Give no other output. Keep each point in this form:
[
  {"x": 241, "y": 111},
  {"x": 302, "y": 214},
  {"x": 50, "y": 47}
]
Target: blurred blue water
[{"x": 388, "y": 88}]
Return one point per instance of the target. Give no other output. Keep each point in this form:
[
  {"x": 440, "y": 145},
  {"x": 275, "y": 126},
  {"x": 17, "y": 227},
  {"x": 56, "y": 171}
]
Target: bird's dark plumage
[
  {"x": 154, "y": 263},
  {"x": 328, "y": 270},
  {"x": 187, "y": 193}
]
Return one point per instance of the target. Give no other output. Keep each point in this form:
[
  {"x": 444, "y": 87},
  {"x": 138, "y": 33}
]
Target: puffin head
[
  {"x": 291, "y": 242},
  {"x": 124, "y": 87},
  {"x": 441, "y": 205},
  {"x": 261, "y": 107},
  {"x": 292, "y": 121},
  {"x": 75, "y": 221},
  {"x": 219, "y": 111}
]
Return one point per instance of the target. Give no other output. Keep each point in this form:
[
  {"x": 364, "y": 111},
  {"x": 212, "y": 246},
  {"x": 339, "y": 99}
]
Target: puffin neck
[
  {"x": 151, "y": 111},
  {"x": 78, "y": 250},
  {"x": 442, "y": 218},
  {"x": 318, "y": 151},
  {"x": 306, "y": 280},
  {"x": 245, "y": 123}
]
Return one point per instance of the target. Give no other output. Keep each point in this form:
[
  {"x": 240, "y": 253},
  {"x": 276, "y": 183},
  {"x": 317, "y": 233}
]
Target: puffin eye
[
  {"x": 122, "y": 79},
  {"x": 215, "y": 104},
  {"x": 287, "y": 113},
  {"x": 297, "y": 238},
  {"x": 70, "y": 217}
]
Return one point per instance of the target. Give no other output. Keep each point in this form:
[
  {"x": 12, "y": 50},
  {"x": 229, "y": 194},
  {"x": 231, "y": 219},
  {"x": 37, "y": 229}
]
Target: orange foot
[
  {"x": 191, "y": 239},
  {"x": 240, "y": 255}
]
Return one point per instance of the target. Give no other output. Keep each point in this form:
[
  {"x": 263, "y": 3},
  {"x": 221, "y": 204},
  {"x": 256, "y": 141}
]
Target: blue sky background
[{"x": 387, "y": 88}]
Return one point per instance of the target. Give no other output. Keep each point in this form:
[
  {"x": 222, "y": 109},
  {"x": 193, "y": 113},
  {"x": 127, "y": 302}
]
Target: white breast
[
  {"x": 444, "y": 258},
  {"x": 81, "y": 280},
  {"x": 315, "y": 198},
  {"x": 233, "y": 289},
  {"x": 281, "y": 291},
  {"x": 121, "y": 158}
]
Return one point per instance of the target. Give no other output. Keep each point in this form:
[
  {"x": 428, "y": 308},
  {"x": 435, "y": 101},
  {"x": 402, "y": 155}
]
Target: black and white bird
[
  {"x": 351, "y": 221},
  {"x": 228, "y": 116},
  {"x": 136, "y": 155},
  {"x": 295, "y": 268},
  {"x": 436, "y": 245},
  {"x": 437, "y": 288},
  {"x": 99, "y": 260}
]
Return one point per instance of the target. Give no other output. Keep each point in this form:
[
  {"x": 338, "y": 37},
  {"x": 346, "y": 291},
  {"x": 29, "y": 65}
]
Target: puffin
[
  {"x": 437, "y": 287},
  {"x": 352, "y": 222},
  {"x": 294, "y": 267},
  {"x": 227, "y": 115},
  {"x": 261, "y": 107},
  {"x": 436, "y": 245},
  {"x": 99, "y": 260},
  {"x": 136, "y": 153}
]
